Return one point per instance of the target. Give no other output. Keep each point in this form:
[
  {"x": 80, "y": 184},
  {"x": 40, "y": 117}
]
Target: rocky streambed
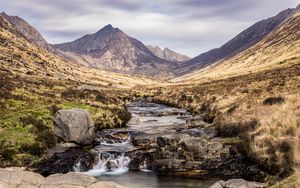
[{"x": 159, "y": 142}]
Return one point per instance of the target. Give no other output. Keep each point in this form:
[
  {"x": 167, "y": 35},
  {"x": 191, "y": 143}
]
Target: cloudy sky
[{"x": 187, "y": 26}]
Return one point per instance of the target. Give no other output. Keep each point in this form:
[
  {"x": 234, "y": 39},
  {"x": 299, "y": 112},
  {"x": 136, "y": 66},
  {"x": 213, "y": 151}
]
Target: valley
[{"x": 230, "y": 113}]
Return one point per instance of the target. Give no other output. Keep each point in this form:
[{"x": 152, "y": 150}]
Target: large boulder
[
  {"x": 23, "y": 179},
  {"x": 71, "y": 178},
  {"x": 74, "y": 125},
  {"x": 18, "y": 178}
]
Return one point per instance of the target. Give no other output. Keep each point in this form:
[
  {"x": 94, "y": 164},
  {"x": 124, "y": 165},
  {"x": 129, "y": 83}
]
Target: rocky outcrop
[
  {"x": 167, "y": 54},
  {"x": 241, "y": 42},
  {"x": 21, "y": 179},
  {"x": 27, "y": 30},
  {"x": 65, "y": 161},
  {"x": 74, "y": 125},
  {"x": 238, "y": 183}
]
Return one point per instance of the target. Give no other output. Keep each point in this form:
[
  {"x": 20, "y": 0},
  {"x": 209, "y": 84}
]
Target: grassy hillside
[
  {"x": 253, "y": 97},
  {"x": 34, "y": 84},
  {"x": 281, "y": 48}
]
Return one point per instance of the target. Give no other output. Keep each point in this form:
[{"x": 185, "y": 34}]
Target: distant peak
[
  {"x": 3, "y": 14},
  {"x": 109, "y": 26}
]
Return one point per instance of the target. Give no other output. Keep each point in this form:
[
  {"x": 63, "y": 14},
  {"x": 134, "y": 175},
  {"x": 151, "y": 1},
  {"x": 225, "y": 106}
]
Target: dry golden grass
[
  {"x": 20, "y": 57},
  {"x": 261, "y": 108},
  {"x": 281, "y": 48},
  {"x": 274, "y": 138}
]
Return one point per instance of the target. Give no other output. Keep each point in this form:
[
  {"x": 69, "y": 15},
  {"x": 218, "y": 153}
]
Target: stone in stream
[
  {"x": 162, "y": 142},
  {"x": 63, "y": 162},
  {"x": 74, "y": 125}
]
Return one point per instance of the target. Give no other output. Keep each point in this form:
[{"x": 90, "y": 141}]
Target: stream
[{"x": 125, "y": 154}]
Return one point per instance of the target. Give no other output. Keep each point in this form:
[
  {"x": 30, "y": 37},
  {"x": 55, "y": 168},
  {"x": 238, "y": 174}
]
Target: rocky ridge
[
  {"x": 167, "y": 54},
  {"x": 29, "y": 32},
  {"x": 111, "y": 49},
  {"x": 238, "y": 44}
]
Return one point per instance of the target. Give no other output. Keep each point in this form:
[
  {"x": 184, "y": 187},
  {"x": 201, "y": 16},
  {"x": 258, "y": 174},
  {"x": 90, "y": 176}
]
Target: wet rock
[
  {"x": 194, "y": 132},
  {"x": 135, "y": 119},
  {"x": 59, "y": 148},
  {"x": 198, "y": 124},
  {"x": 141, "y": 140},
  {"x": 194, "y": 118},
  {"x": 177, "y": 167},
  {"x": 63, "y": 162},
  {"x": 238, "y": 183},
  {"x": 113, "y": 136},
  {"x": 162, "y": 141},
  {"x": 135, "y": 163},
  {"x": 74, "y": 125}
]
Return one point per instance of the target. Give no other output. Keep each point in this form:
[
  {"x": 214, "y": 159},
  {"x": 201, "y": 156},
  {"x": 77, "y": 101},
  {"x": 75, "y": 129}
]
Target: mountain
[
  {"x": 29, "y": 62},
  {"x": 242, "y": 41},
  {"x": 277, "y": 50},
  {"x": 113, "y": 50},
  {"x": 27, "y": 30},
  {"x": 167, "y": 54}
]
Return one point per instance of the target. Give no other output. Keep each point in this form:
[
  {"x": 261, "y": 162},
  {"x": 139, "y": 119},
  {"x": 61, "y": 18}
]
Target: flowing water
[{"x": 114, "y": 151}]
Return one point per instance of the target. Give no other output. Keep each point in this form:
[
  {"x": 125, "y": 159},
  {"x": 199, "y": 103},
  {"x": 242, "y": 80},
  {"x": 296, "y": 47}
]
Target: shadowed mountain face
[
  {"x": 244, "y": 40},
  {"x": 111, "y": 49},
  {"x": 27, "y": 30},
  {"x": 167, "y": 54},
  {"x": 280, "y": 48},
  {"x": 28, "y": 62}
]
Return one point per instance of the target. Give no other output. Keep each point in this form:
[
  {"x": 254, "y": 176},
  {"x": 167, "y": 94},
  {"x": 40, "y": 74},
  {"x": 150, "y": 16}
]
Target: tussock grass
[
  {"x": 261, "y": 109},
  {"x": 276, "y": 141},
  {"x": 28, "y": 107}
]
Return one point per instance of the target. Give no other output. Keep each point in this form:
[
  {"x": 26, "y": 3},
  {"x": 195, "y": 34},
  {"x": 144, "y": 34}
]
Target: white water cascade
[
  {"x": 112, "y": 160},
  {"x": 108, "y": 164}
]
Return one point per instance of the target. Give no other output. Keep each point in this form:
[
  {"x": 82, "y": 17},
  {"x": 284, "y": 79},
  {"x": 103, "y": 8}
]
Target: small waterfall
[
  {"x": 77, "y": 167},
  {"x": 108, "y": 164},
  {"x": 144, "y": 167}
]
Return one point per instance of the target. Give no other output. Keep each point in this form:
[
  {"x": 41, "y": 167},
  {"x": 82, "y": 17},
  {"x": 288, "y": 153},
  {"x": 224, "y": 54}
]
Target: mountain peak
[
  {"x": 109, "y": 26},
  {"x": 112, "y": 49},
  {"x": 29, "y": 32},
  {"x": 108, "y": 29},
  {"x": 167, "y": 54}
]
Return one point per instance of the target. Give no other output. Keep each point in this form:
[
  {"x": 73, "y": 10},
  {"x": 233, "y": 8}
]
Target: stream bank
[{"x": 158, "y": 142}]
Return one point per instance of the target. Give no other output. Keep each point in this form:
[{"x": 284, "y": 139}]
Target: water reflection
[{"x": 151, "y": 180}]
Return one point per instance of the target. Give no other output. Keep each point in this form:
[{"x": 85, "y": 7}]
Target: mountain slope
[
  {"x": 27, "y": 30},
  {"x": 279, "y": 49},
  {"x": 18, "y": 56},
  {"x": 244, "y": 40},
  {"x": 167, "y": 54},
  {"x": 113, "y": 50}
]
